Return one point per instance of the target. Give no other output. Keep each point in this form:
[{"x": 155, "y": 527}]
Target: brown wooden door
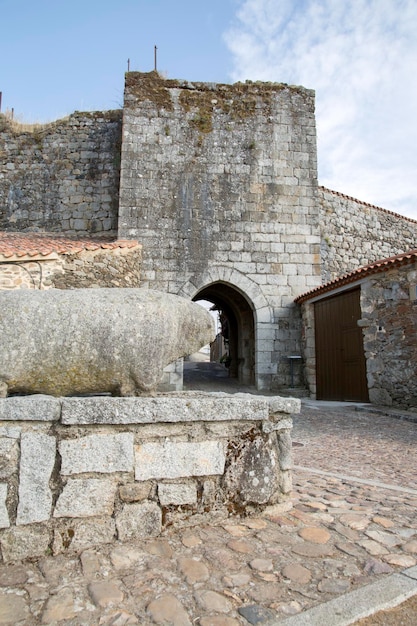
[{"x": 340, "y": 359}]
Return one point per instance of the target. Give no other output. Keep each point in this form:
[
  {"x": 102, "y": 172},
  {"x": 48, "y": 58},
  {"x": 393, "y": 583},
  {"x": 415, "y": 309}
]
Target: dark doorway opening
[{"x": 234, "y": 365}]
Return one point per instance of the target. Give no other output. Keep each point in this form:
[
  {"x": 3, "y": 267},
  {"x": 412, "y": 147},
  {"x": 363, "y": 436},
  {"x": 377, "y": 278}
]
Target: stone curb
[{"x": 351, "y": 607}]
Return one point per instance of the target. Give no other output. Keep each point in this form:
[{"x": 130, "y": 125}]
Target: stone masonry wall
[
  {"x": 61, "y": 177},
  {"x": 77, "y": 472},
  {"x": 220, "y": 181},
  {"x": 354, "y": 233},
  {"x": 389, "y": 321}
]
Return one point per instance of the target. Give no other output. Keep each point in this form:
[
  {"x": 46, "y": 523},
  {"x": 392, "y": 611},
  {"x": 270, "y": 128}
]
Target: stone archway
[
  {"x": 250, "y": 318},
  {"x": 240, "y": 329}
]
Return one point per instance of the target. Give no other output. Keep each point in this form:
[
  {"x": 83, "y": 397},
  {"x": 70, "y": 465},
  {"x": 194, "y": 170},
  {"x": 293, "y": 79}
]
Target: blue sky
[{"x": 360, "y": 56}]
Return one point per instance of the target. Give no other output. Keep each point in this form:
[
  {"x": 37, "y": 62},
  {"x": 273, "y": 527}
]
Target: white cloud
[{"x": 361, "y": 59}]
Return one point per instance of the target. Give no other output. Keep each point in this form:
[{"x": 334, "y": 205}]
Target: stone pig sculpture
[{"x": 63, "y": 342}]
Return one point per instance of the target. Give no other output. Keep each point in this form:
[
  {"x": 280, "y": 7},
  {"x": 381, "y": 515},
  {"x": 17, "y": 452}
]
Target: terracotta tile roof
[
  {"x": 44, "y": 244},
  {"x": 373, "y": 268},
  {"x": 373, "y": 206}
]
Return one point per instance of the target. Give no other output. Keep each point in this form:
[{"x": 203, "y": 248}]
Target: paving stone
[
  {"x": 410, "y": 546},
  {"x": 118, "y": 618},
  {"x": 12, "y": 575},
  {"x": 123, "y": 557},
  {"x": 297, "y": 573},
  {"x": 59, "y": 607},
  {"x": 237, "y": 580},
  {"x": 383, "y": 521},
  {"x": 213, "y": 601},
  {"x": 194, "y": 571},
  {"x": 168, "y": 610},
  {"x": 357, "y": 522},
  {"x": 256, "y": 614},
  {"x": 312, "y": 550},
  {"x": 386, "y": 539},
  {"x": 237, "y": 530},
  {"x": 374, "y": 566},
  {"x": 241, "y": 545},
  {"x": 90, "y": 563},
  {"x": 191, "y": 541},
  {"x": 402, "y": 560},
  {"x": 373, "y": 547},
  {"x": 106, "y": 593},
  {"x": 262, "y": 565},
  {"x": 315, "y": 535},
  {"x": 13, "y": 608}
]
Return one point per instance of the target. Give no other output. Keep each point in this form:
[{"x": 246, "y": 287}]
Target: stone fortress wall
[
  {"x": 61, "y": 177},
  {"x": 355, "y": 233}
]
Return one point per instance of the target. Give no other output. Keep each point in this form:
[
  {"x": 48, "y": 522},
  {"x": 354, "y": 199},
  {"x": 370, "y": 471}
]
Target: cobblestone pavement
[{"x": 353, "y": 521}]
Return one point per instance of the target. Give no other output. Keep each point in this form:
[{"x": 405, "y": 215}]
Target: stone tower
[{"x": 219, "y": 184}]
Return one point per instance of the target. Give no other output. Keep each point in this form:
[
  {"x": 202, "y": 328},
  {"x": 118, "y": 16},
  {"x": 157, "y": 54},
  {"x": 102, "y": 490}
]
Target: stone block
[
  {"x": 139, "y": 520},
  {"x": 77, "y": 535},
  {"x": 9, "y": 456},
  {"x": 97, "y": 453},
  {"x": 24, "y": 542},
  {"x": 177, "y": 493},
  {"x": 36, "y": 408},
  {"x": 252, "y": 475},
  {"x": 190, "y": 407},
  {"x": 4, "y": 514},
  {"x": 170, "y": 459},
  {"x": 37, "y": 460},
  {"x": 87, "y": 497}
]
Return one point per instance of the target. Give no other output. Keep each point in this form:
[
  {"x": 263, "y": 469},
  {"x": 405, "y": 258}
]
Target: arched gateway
[{"x": 249, "y": 319}]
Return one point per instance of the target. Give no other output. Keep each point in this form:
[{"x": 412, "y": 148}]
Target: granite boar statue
[{"x": 68, "y": 342}]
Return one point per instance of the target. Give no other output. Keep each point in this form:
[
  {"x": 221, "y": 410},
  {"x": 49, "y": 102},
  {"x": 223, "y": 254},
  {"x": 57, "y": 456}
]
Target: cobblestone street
[{"x": 353, "y": 522}]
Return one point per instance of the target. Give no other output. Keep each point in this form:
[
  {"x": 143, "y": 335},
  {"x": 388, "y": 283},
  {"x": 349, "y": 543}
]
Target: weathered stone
[
  {"x": 13, "y": 575},
  {"x": 97, "y": 453},
  {"x": 190, "y": 407},
  {"x": 23, "y": 542},
  {"x": 297, "y": 573},
  {"x": 4, "y": 514},
  {"x": 373, "y": 547},
  {"x": 13, "y": 608},
  {"x": 213, "y": 601},
  {"x": 97, "y": 349},
  {"x": 168, "y": 610},
  {"x": 59, "y": 607},
  {"x": 179, "y": 459},
  {"x": 252, "y": 473},
  {"x": 37, "y": 460},
  {"x": 139, "y": 520},
  {"x": 8, "y": 456},
  {"x": 77, "y": 535},
  {"x": 312, "y": 550},
  {"x": 277, "y": 404},
  {"x": 106, "y": 593},
  {"x": 285, "y": 451},
  {"x": 261, "y": 565},
  {"x": 357, "y": 522},
  {"x": 241, "y": 545},
  {"x": 256, "y": 614},
  {"x": 86, "y": 497},
  {"x": 177, "y": 493},
  {"x": 36, "y": 408},
  {"x": 410, "y": 546},
  {"x": 386, "y": 539},
  {"x": 194, "y": 571},
  {"x": 402, "y": 560},
  {"x": 374, "y": 566},
  {"x": 315, "y": 535},
  {"x": 134, "y": 492}
]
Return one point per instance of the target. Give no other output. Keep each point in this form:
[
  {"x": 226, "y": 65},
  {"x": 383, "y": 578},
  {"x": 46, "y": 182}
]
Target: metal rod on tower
[
  {"x": 155, "y": 56},
  {"x": 128, "y": 65},
  {"x": 1, "y": 93}
]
